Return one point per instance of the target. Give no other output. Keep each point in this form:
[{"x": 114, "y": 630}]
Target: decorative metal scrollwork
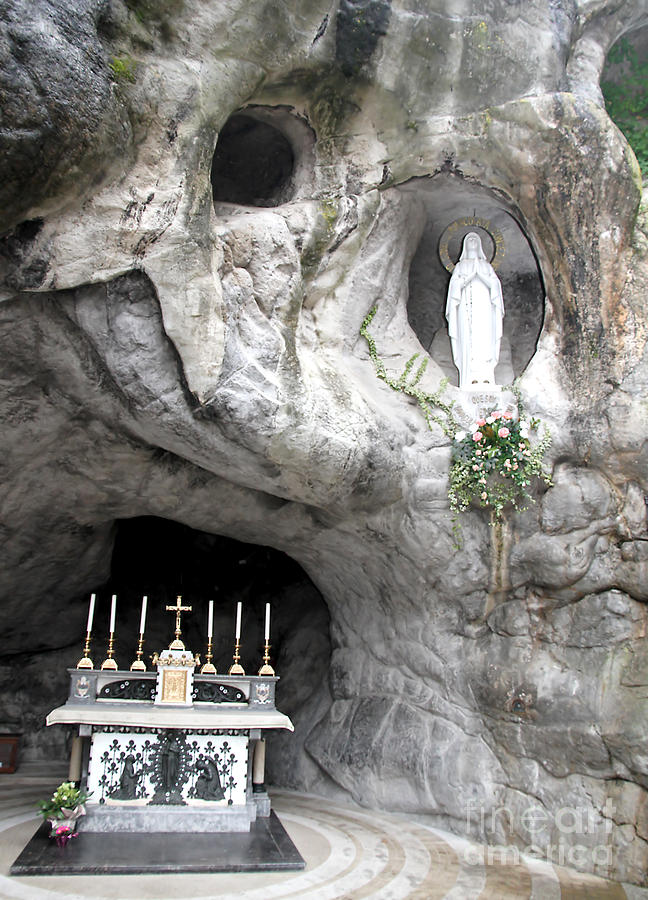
[
  {"x": 210, "y": 692},
  {"x": 129, "y": 689},
  {"x": 171, "y": 769}
]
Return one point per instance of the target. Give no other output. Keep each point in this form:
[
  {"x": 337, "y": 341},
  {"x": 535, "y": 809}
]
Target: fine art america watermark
[{"x": 569, "y": 836}]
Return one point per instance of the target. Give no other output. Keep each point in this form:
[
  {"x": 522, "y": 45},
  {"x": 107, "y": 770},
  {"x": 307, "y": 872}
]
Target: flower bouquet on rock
[
  {"x": 63, "y": 810},
  {"x": 494, "y": 463}
]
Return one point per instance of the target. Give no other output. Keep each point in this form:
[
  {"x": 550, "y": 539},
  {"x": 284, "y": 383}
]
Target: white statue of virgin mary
[{"x": 474, "y": 311}]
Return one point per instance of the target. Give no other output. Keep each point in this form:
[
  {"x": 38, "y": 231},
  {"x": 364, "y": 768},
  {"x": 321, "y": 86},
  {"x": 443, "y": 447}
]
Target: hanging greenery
[
  {"x": 494, "y": 462},
  {"x": 428, "y": 402}
]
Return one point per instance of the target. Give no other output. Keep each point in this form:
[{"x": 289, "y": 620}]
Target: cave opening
[
  {"x": 253, "y": 163},
  {"x": 162, "y": 559},
  {"x": 452, "y": 207}
]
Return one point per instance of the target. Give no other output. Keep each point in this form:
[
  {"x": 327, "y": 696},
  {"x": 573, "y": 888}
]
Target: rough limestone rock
[{"x": 183, "y": 342}]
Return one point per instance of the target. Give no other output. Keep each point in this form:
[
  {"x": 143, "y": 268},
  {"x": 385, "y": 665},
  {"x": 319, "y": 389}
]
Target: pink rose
[
  {"x": 503, "y": 432},
  {"x": 481, "y": 422},
  {"x": 507, "y": 415},
  {"x": 477, "y": 436}
]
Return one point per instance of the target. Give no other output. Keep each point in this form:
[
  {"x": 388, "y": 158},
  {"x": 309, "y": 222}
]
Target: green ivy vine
[{"x": 427, "y": 402}]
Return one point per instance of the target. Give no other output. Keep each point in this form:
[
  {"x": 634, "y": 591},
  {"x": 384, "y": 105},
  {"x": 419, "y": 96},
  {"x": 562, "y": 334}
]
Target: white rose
[{"x": 460, "y": 435}]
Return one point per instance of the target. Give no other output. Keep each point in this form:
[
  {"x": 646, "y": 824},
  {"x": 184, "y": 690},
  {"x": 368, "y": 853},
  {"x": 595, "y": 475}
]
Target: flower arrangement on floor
[
  {"x": 62, "y": 811},
  {"x": 494, "y": 463}
]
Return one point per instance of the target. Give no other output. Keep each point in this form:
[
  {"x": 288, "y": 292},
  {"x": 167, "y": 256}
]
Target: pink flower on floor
[
  {"x": 477, "y": 436},
  {"x": 62, "y": 834},
  {"x": 503, "y": 432},
  {"x": 484, "y": 495}
]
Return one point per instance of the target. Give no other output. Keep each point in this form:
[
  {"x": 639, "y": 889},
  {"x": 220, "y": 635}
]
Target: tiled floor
[{"x": 350, "y": 852}]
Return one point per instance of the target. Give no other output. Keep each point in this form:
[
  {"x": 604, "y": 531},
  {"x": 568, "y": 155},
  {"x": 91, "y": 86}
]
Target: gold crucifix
[{"x": 178, "y": 609}]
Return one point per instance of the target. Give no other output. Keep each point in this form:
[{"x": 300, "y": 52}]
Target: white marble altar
[{"x": 172, "y": 750}]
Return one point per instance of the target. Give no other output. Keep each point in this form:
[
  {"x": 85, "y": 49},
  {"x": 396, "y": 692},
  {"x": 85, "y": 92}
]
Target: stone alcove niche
[
  {"x": 447, "y": 198},
  {"x": 162, "y": 558},
  {"x": 261, "y": 157}
]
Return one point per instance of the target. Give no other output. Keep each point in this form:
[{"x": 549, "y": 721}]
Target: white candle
[
  {"x": 238, "y": 621},
  {"x": 143, "y": 616},
  {"x": 91, "y": 612},
  {"x": 112, "y": 613},
  {"x": 267, "y": 622},
  {"x": 210, "y": 621}
]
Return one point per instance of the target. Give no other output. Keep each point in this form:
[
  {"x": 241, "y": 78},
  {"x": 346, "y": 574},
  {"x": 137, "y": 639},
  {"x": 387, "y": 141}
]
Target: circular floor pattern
[{"x": 351, "y": 854}]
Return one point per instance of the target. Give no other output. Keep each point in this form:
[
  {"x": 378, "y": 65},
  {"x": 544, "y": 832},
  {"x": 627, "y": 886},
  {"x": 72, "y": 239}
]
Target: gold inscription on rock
[{"x": 174, "y": 686}]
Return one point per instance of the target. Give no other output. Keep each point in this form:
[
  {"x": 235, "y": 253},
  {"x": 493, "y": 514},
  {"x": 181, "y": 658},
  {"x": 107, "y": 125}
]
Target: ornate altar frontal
[{"x": 155, "y": 762}]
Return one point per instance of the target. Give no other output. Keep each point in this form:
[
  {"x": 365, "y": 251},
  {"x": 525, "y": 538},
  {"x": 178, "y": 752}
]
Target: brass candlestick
[
  {"x": 85, "y": 662},
  {"x": 209, "y": 668},
  {"x": 138, "y": 664},
  {"x": 109, "y": 662},
  {"x": 236, "y": 668},
  {"x": 266, "y": 668}
]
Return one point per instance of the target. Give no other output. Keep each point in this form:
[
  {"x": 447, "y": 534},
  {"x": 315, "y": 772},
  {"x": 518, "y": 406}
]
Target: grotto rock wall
[{"x": 167, "y": 355}]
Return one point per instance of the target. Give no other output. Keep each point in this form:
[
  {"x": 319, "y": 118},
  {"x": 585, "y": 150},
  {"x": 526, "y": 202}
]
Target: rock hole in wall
[
  {"x": 259, "y": 156},
  {"x": 162, "y": 558},
  {"x": 447, "y": 199}
]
